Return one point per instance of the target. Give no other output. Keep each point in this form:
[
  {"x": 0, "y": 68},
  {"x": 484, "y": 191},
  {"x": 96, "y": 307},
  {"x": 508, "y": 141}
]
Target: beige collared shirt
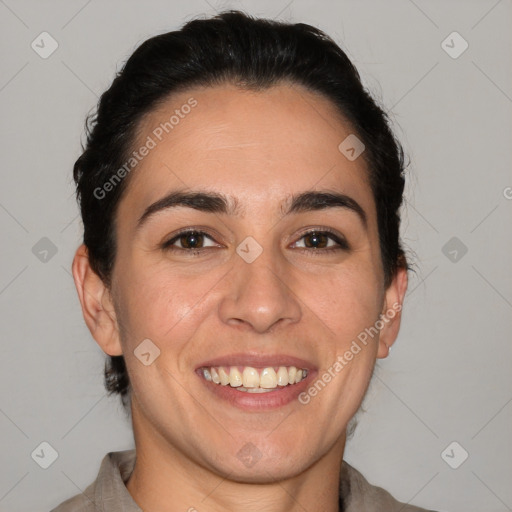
[{"x": 108, "y": 492}]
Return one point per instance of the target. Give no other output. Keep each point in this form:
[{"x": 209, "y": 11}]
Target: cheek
[
  {"x": 163, "y": 304},
  {"x": 348, "y": 300}
]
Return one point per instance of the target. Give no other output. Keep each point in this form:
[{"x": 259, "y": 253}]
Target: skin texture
[{"x": 259, "y": 147}]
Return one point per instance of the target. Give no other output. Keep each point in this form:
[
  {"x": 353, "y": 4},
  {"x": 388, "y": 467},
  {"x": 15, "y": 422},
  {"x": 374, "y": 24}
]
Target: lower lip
[{"x": 258, "y": 401}]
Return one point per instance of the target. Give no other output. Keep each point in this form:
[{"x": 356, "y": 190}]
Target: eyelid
[
  {"x": 340, "y": 240},
  {"x": 168, "y": 244}
]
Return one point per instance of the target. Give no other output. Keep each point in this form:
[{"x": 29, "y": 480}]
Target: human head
[{"x": 255, "y": 54}]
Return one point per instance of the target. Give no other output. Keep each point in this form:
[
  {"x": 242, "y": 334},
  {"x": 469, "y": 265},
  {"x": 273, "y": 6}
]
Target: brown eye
[
  {"x": 316, "y": 240},
  {"x": 189, "y": 241},
  {"x": 322, "y": 241},
  {"x": 192, "y": 240}
]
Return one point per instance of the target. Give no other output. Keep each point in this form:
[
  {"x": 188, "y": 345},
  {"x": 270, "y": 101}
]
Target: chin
[
  {"x": 250, "y": 464},
  {"x": 263, "y": 472}
]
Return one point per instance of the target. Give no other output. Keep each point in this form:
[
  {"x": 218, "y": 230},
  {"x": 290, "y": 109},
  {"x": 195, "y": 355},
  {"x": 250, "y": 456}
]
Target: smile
[{"x": 254, "y": 380}]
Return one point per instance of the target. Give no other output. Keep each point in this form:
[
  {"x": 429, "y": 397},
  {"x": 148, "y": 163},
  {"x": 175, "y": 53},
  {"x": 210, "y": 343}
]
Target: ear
[
  {"x": 97, "y": 305},
  {"x": 392, "y": 312}
]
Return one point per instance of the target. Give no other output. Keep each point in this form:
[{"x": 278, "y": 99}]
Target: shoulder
[
  {"x": 109, "y": 487},
  {"x": 80, "y": 503},
  {"x": 361, "y": 495}
]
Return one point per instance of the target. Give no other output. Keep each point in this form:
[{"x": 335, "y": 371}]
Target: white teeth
[
  {"x": 252, "y": 380},
  {"x": 224, "y": 377},
  {"x": 215, "y": 375},
  {"x": 268, "y": 378},
  {"x": 282, "y": 376},
  {"x": 235, "y": 377},
  {"x": 250, "y": 377},
  {"x": 253, "y": 390}
]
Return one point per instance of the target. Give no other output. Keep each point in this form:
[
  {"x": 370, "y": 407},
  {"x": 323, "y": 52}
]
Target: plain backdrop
[{"x": 448, "y": 377}]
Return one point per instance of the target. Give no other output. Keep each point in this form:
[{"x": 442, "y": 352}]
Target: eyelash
[{"x": 342, "y": 243}]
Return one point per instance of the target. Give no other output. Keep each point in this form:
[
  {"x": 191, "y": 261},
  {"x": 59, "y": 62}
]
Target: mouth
[
  {"x": 255, "y": 382},
  {"x": 248, "y": 379}
]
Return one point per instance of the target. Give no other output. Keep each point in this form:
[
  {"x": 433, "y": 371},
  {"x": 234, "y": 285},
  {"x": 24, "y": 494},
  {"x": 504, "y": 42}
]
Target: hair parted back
[{"x": 252, "y": 53}]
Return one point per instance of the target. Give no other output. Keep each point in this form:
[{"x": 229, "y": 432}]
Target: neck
[{"x": 167, "y": 480}]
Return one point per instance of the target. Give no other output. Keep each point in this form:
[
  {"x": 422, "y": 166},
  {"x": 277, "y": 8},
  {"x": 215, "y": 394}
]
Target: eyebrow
[{"x": 212, "y": 202}]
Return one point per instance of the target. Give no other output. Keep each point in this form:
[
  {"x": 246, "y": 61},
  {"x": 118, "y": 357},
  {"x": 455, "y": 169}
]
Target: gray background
[{"x": 448, "y": 377}]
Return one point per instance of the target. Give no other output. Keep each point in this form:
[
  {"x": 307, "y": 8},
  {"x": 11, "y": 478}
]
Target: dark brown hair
[{"x": 253, "y": 53}]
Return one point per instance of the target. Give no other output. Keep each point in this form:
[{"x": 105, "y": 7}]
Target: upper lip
[{"x": 258, "y": 360}]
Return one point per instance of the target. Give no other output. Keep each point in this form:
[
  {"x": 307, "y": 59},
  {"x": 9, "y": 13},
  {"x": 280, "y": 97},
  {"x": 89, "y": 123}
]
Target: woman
[{"x": 241, "y": 268}]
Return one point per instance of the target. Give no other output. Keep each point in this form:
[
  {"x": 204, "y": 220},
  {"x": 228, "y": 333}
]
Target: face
[{"x": 257, "y": 274}]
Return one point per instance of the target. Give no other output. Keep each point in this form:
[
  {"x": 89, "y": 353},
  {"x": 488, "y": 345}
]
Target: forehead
[{"x": 257, "y": 146}]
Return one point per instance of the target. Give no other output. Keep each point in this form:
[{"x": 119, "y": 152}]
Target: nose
[{"x": 260, "y": 295}]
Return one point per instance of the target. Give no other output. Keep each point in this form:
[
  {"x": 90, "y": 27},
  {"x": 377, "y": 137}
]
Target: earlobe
[
  {"x": 392, "y": 312},
  {"x": 96, "y": 302}
]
